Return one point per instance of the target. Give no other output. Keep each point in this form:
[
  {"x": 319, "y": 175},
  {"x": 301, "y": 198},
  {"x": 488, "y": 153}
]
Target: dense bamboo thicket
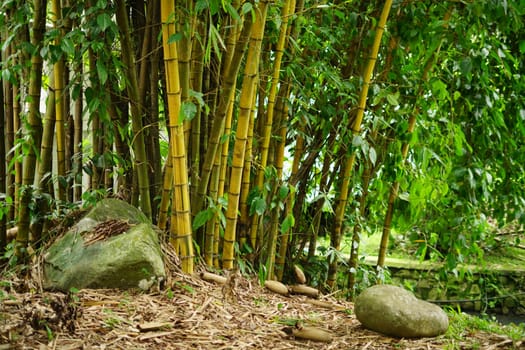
[{"x": 247, "y": 130}]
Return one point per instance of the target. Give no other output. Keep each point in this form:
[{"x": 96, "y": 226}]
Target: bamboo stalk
[
  {"x": 356, "y": 127},
  {"x": 141, "y": 162},
  {"x": 394, "y": 189},
  {"x": 217, "y": 127},
  {"x": 34, "y": 131},
  {"x": 59, "y": 103},
  {"x": 287, "y": 10},
  {"x": 243, "y": 122},
  {"x": 180, "y": 229}
]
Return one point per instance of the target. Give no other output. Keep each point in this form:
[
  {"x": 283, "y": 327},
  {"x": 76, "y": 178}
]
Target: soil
[{"x": 191, "y": 313}]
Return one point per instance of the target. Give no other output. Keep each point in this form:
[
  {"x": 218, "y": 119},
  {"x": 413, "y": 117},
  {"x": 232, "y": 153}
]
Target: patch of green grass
[
  {"x": 260, "y": 301},
  {"x": 369, "y": 245},
  {"x": 462, "y": 326},
  {"x": 506, "y": 256}
]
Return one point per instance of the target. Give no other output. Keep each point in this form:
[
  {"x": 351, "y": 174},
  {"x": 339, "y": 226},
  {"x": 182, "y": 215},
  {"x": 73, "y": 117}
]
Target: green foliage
[
  {"x": 456, "y": 67},
  {"x": 90, "y": 198},
  {"x": 214, "y": 209},
  {"x": 189, "y": 289},
  {"x": 316, "y": 269},
  {"x": 287, "y": 223},
  {"x": 5, "y": 204},
  {"x": 9, "y": 254}
]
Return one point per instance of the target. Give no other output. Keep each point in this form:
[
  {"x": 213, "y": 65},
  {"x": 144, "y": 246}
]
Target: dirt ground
[{"x": 191, "y": 313}]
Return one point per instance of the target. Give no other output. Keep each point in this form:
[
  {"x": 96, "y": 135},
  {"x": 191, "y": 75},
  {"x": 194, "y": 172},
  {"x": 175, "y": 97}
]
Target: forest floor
[{"x": 191, "y": 313}]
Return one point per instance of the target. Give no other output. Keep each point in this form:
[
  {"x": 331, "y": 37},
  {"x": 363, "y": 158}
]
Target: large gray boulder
[
  {"x": 113, "y": 246},
  {"x": 396, "y": 312}
]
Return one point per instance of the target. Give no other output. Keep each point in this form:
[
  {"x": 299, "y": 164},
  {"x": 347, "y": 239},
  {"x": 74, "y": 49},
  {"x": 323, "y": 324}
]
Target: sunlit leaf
[
  {"x": 258, "y": 206},
  {"x": 404, "y": 196},
  {"x": 372, "y": 155},
  {"x": 392, "y": 99}
]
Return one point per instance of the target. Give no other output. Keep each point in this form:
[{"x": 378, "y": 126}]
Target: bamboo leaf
[
  {"x": 102, "y": 72},
  {"x": 214, "y": 6},
  {"x": 283, "y": 192},
  {"x": 258, "y": 206},
  {"x": 67, "y": 46},
  {"x": 392, "y": 99},
  {"x": 188, "y": 110},
  {"x": 466, "y": 65},
  {"x": 372, "y": 155},
  {"x": 202, "y": 218},
  {"x": 404, "y": 196},
  {"x": 201, "y": 5},
  {"x": 522, "y": 46},
  {"x": 247, "y": 7},
  {"x": 199, "y": 96},
  {"x": 231, "y": 11},
  {"x": 288, "y": 223},
  {"x": 174, "y": 38},
  {"x": 104, "y": 21},
  {"x": 216, "y": 40},
  {"x": 223, "y": 201}
]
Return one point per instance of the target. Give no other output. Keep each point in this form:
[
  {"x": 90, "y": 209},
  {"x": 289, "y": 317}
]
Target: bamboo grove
[{"x": 246, "y": 130}]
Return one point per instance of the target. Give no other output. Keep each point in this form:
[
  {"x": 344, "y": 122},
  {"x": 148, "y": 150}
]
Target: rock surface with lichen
[
  {"x": 113, "y": 246},
  {"x": 396, "y": 312}
]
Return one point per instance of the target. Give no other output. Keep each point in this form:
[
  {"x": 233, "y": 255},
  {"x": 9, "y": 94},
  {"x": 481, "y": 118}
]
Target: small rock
[{"x": 396, "y": 312}]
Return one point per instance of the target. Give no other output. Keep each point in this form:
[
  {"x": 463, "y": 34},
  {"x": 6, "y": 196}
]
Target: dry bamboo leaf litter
[{"x": 191, "y": 313}]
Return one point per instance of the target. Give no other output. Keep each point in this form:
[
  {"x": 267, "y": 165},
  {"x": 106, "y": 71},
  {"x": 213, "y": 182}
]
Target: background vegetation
[{"x": 245, "y": 130}]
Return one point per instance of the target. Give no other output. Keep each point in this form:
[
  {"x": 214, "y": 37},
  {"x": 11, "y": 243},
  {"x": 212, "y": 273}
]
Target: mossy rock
[{"x": 95, "y": 254}]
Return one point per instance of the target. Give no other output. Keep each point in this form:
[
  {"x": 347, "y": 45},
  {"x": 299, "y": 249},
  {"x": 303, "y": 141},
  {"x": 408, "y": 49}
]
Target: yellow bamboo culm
[
  {"x": 369, "y": 69},
  {"x": 288, "y": 8},
  {"x": 167, "y": 184},
  {"x": 180, "y": 229},
  {"x": 394, "y": 188},
  {"x": 356, "y": 127},
  {"x": 59, "y": 108},
  {"x": 245, "y": 103}
]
